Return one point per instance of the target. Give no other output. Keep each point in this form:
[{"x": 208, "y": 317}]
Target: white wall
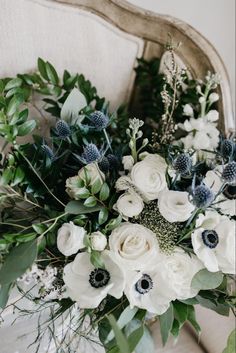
[{"x": 215, "y": 19}]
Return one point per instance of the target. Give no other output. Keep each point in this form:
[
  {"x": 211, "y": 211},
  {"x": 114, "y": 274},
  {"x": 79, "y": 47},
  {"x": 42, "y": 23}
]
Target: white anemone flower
[
  {"x": 149, "y": 289},
  {"x": 214, "y": 242},
  {"x": 88, "y": 285},
  {"x": 226, "y": 201}
]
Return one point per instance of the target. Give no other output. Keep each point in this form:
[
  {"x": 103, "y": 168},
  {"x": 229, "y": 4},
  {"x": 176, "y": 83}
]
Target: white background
[{"x": 215, "y": 19}]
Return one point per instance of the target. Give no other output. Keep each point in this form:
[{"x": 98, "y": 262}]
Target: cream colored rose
[
  {"x": 134, "y": 245},
  {"x": 129, "y": 205},
  {"x": 94, "y": 172},
  {"x": 70, "y": 239},
  {"x": 175, "y": 206},
  {"x": 148, "y": 176},
  {"x": 98, "y": 241}
]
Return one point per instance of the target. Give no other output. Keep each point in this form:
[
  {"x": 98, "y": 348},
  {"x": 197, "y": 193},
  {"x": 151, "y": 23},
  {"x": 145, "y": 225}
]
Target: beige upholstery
[{"x": 102, "y": 39}]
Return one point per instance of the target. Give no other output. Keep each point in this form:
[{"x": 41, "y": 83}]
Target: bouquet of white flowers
[{"x": 109, "y": 221}]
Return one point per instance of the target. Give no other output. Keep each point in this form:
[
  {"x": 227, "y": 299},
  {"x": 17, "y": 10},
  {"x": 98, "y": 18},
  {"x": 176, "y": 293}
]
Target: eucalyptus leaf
[
  {"x": 166, "y": 322},
  {"x": 121, "y": 340},
  {"x": 146, "y": 343},
  {"x": 204, "y": 280},
  {"x": 17, "y": 262},
  {"x": 77, "y": 207},
  {"x": 181, "y": 312},
  {"x": 231, "y": 343},
  {"x": 192, "y": 319},
  {"x": 4, "y": 294},
  {"x": 74, "y": 103}
]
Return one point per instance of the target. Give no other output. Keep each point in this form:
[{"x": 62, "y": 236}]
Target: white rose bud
[
  {"x": 129, "y": 204},
  {"x": 128, "y": 162},
  {"x": 188, "y": 110},
  {"x": 213, "y": 97},
  {"x": 70, "y": 239},
  {"x": 123, "y": 183},
  {"x": 98, "y": 241}
]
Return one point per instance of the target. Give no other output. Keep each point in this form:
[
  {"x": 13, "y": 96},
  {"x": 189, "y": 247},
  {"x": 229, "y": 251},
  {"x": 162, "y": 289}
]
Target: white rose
[
  {"x": 213, "y": 97},
  {"x": 128, "y": 162},
  {"x": 148, "y": 176},
  {"x": 214, "y": 242},
  {"x": 188, "y": 110},
  {"x": 70, "y": 238},
  {"x": 175, "y": 206},
  {"x": 130, "y": 204},
  {"x": 180, "y": 269},
  {"x": 134, "y": 245},
  {"x": 94, "y": 172},
  {"x": 98, "y": 241}
]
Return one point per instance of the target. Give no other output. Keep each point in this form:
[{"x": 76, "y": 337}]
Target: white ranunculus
[
  {"x": 188, "y": 110},
  {"x": 129, "y": 205},
  {"x": 149, "y": 289},
  {"x": 89, "y": 286},
  {"x": 148, "y": 176},
  {"x": 180, "y": 269},
  {"x": 214, "y": 242},
  {"x": 175, "y": 206},
  {"x": 134, "y": 245},
  {"x": 94, "y": 172},
  {"x": 98, "y": 241},
  {"x": 70, "y": 238},
  {"x": 225, "y": 201},
  {"x": 128, "y": 162},
  {"x": 123, "y": 183}
]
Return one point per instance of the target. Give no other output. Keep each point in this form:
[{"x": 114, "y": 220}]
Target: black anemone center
[
  {"x": 230, "y": 192},
  {"x": 210, "y": 238},
  {"x": 99, "y": 278},
  {"x": 144, "y": 284}
]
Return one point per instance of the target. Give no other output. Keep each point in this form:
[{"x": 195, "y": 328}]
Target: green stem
[{"x": 107, "y": 139}]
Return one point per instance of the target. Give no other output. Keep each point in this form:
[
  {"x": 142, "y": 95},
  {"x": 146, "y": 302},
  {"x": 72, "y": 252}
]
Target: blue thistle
[
  {"x": 203, "y": 196},
  {"x": 183, "y": 163},
  {"x": 99, "y": 120},
  {"x": 227, "y": 148},
  {"x": 48, "y": 152},
  {"x": 229, "y": 173},
  {"x": 91, "y": 154},
  {"x": 63, "y": 129}
]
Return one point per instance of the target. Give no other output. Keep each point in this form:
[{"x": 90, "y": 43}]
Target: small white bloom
[
  {"x": 175, "y": 205},
  {"x": 149, "y": 289},
  {"x": 180, "y": 269},
  {"x": 88, "y": 285},
  {"x": 213, "y": 97},
  {"x": 134, "y": 245},
  {"x": 70, "y": 238},
  {"x": 214, "y": 242},
  {"x": 225, "y": 202},
  {"x": 94, "y": 172},
  {"x": 202, "y": 100},
  {"x": 148, "y": 176},
  {"x": 128, "y": 162},
  {"x": 123, "y": 183},
  {"x": 130, "y": 204},
  {"x": 98, "y": 241},
  {"x": 188, "y": 110},
  {"x": 212, "y": 116}
]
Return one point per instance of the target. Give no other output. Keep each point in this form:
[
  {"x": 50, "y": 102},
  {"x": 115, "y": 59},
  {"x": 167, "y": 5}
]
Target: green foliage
[
  {"x": 166, "y": 322},
  {"x": 206, "y": 280},
  {"x": 77, "y": 207},
  {"x": 231, "y": 343}
]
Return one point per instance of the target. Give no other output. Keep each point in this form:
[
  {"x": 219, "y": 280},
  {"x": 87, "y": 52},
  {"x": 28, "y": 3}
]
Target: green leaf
[
  {"x": 221, "y": 309},
  {"x": 4, "y": 295},
  {"x": 175, "y": 328},
  {"x": 181, "y": 312},
  {"x": 14, "y": 104},
  {"x": 135, "y": 337},
  {"x": 15, "y": 82},
  {"x": 145, "y": 343},
  {"x": 113, "y": 223},
  {"x": 166, "y": 322},
  {"x": 83, "y": 193},
  {"x": 103, "y": 215},
  {"x": 126, "y": 316},
  {"x": 1, "y": 86},
  {"x": 231, "y": 343},
  {"x": 77, "y": 207},
  {"x": 204, "y": 280},
  {"x": 74, "y": 103},
  {"x": 90, "y": 202},
  {"x": 24, "y": 238},
  {"x": 121, "y": 340},
  {"x": 52, "y": 74},
  {"x": 39, "y": 228},
  {"x": 18, "y": 177},
  {"x": 42, "y": 68},
  {"x": 26, "y": 128},
  {"x": 96, "y": 259},
  {"x": 96, "y": 187},
  {"x": 104, "y": 192},
  {"x": 17, "y": 262},
  {"x": 6, "y": 177},
  {"x": 192, "y": 319}
]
